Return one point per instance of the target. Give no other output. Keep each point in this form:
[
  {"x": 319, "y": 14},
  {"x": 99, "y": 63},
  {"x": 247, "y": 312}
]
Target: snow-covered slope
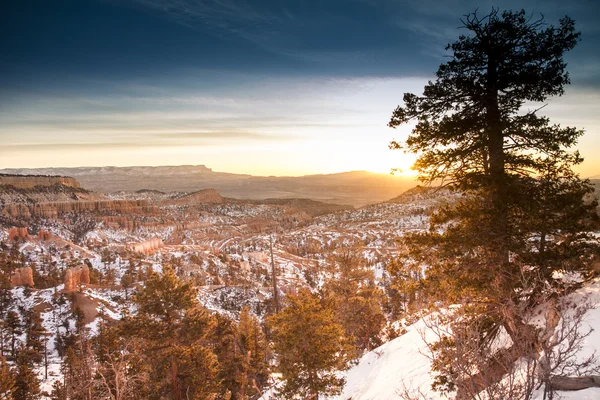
[{"x": 402, "y": 364}]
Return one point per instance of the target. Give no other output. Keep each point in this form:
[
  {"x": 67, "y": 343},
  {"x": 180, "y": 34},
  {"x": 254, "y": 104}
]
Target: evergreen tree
[
  {"x": 78, "y": 366},
  {"x": 310, "y": 346},
  {"x": 254, "y": 353},
  {"x": 525, "y": 214},
  {"x": 27, "y": 385},
  {"x": 35, "y": 331},
  {"x": 13, "y": 326},
  {"x": 5, "y": 293},
  {"x": 127, "y": 282},
  {"x": 7, "y": 380},
  {"x": 357, "y": 300},
  {"x": 176, "y": 333},
  {"x": 227, "y": 347}
]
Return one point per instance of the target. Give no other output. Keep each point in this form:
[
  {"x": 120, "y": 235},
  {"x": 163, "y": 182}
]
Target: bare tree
[
  {"x": 473, "y": 364},
  {"x": 119, "y": 376}
]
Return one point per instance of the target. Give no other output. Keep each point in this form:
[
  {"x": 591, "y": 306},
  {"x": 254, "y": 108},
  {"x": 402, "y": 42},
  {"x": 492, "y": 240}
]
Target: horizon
[
  {"x": 394, "y": 175},
  {"x": 262, "y": 88}
]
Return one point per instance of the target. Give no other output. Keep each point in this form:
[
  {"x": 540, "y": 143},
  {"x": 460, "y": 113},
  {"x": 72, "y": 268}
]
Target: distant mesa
[
  {"x": 205, "y": 196},
  {"x": 356, "y": 188},
  {"x": 31, "y": 181}
]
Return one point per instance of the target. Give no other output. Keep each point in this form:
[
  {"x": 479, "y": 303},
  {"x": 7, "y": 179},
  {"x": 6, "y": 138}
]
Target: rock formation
[
  {"x": 76, "y": 276},
  {"x": 31, "y": 181},
  {"x": 205, "y": 196},
  {"x": 22, "y": 277},
  {"x": 18, "y": 233},
  {"x": 44, "y": 235},
  {"x": 147, "y": 247},
  {"x": 54, "y": 209},
  {"x": 118, "y": 222}
]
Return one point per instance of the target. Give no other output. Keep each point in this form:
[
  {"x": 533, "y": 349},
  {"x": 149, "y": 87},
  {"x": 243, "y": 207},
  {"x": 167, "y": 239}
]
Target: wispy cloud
[{"x": 225, "y": 17}]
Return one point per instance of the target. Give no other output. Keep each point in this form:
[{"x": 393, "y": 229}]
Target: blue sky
[{"x": 262, "y": 87}]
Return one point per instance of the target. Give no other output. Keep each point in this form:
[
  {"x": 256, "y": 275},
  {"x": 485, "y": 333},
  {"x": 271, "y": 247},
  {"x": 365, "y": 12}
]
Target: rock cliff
[
  {"x": 54, "y": 209},
  {"x": 31, "y": 181}
]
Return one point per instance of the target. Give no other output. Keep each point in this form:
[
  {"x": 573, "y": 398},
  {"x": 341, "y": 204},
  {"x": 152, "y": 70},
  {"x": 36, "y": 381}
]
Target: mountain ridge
[{"x": 356, "y": 188}]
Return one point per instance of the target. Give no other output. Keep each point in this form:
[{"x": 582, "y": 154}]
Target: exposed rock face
[
  {"x": 22, "y": 277},
  {"x": 31, "y": 181},
  {"x": 206, "y": 196},
  {"x": 147, "y": 247},
  {"x": 18, "y": 233},
  {"x": 117, "y": 222},
  {"x": 54, "y": 209},
  {"x": 44, "y": 235},
  {"x": 76, "y": 276}
]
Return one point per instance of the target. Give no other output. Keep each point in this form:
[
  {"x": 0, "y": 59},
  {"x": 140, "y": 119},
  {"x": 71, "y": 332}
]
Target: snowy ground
[{"x": 402, "y": 365}]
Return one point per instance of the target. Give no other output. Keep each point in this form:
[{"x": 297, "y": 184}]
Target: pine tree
[
  {"x": 525, "y": 214},
  {"x": 227, "y": 347},
  {"x": 78, "y": 367},
  {"x": 13, "y": 325},
  {"x": 253, "y": 348},
  {"x": 176, "y": 331},
  {"x": 310, "y": 346},
  {"x": 7, "y": 380},
  {"x": 27, "y": 385},
  {"x": 34, "y": 331},
  {"x": 357, "y": 300},
  {"x": 5, "y": 293}
]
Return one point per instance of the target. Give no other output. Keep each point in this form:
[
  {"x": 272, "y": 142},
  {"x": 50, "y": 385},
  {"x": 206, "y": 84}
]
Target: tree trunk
[
  {"x": 574, "y": 383},
  {"x": 274, "y": 277},
  {"x": 175, "y": 386},
  {"x": 491, "y": 374}
]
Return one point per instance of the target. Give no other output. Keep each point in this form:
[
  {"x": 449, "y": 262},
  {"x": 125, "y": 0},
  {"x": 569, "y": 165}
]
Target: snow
[{"x": 402, "y": 364}]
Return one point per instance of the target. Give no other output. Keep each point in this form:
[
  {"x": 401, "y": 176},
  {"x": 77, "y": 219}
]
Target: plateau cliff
[{"x": 31, "y": 181}]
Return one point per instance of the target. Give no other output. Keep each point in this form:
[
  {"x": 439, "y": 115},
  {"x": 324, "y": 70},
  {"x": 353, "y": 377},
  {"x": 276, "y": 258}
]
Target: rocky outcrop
[
  {"x": 147, "y": 247},
  {"x": 44, "y": 235},
  {"x": 22, "y": 277},
  {"x": 117, "y": 222},
  {"x": 206, "y": 196},
  {"x": 76, "y": 276},
  {"x": 54, "y": 209},
  {"x": 18, "y": 234},
  {"x": 31, "y": 181}
]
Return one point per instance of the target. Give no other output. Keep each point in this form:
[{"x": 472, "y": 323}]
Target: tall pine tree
[
  {"x": 177, "y": 333},
  {"x": 526, "y": 217}
]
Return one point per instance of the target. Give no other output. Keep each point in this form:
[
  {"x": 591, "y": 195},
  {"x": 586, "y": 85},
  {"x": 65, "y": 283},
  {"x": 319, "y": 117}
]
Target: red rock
[
  {"x": 147, "y": 247},
  {"x": 76, "y": 276},
  {"x": 18, "y": 233},
  {"x": 22, "y": 277}
]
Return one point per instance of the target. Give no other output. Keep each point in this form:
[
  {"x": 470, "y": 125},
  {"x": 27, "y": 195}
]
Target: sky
[{"x": 286, "y": 87}]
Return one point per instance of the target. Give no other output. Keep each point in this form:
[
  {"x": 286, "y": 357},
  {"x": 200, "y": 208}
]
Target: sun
[{"x": 385, "y": 163}]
